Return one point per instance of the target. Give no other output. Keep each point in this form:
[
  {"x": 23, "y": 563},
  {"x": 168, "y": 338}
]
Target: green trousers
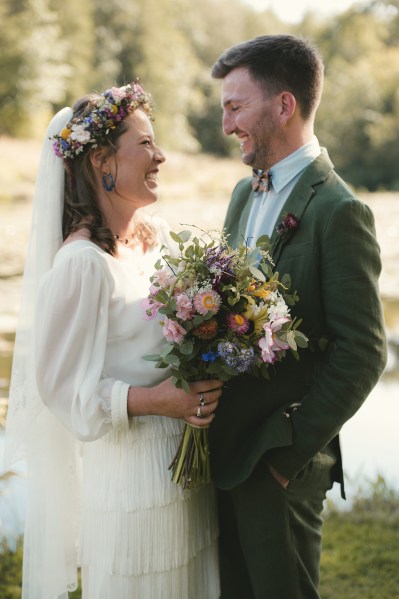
[{"x": 270, "y": 537}]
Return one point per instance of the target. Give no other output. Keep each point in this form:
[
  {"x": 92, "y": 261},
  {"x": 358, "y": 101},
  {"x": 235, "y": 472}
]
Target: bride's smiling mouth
[{"x": 152, "y": 176}]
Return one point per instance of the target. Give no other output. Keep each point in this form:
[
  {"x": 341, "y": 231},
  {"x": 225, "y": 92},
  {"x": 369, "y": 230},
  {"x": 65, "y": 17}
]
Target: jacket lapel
[{"x": 298, "y": 200}]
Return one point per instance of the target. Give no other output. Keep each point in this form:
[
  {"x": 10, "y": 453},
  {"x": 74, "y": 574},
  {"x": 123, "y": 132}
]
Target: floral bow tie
[{"x": 262, "y": 180}]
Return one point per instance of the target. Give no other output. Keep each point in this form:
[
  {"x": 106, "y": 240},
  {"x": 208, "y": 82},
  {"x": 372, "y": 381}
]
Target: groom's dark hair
[{"x": 278, "y": 63}]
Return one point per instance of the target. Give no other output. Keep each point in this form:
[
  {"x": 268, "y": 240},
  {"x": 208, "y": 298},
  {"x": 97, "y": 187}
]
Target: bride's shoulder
[{"x": 80, "y": 235}]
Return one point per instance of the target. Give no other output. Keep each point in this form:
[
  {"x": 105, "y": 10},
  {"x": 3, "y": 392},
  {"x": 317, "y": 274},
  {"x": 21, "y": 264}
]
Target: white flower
[
  {"x": 215, "y": 270},
  {"x": 277, "y": 307},
  {"x": 79, "y": 133},
  {"x": 182, "y": 266},
  {"x": 256, "y": 309}
]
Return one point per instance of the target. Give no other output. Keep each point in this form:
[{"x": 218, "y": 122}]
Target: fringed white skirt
[{"x": 142, "y": 536}]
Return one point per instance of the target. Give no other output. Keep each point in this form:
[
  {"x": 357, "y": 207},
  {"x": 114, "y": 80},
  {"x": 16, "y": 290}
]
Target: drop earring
[{"x": 108, "y": 181}]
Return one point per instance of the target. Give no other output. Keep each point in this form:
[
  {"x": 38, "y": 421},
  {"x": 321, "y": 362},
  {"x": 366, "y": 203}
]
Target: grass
[
  {"x": 360, "y": 555},
  {"x": 361, "y": 547}
]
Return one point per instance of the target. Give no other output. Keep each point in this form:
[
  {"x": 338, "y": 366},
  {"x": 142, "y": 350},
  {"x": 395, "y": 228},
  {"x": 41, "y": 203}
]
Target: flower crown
[{"x": 107, "y": 112}]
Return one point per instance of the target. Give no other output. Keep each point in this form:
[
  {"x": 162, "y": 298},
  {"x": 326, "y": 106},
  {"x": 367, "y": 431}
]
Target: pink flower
[
  {"x": 150, "y": 307},
  {"x": 270, "y": 344},
  {"x": 207, "y": 301},
  {"x": 153, "y": 290},
  {"x": 185, "y": 310},
  {"x": 237, "y": 323},
  {"x": 165, "y": 278},
  {"x": 173, "y": 331}
]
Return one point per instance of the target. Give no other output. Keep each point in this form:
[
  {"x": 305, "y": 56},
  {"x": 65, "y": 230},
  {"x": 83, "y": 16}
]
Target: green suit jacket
[{"x": 334, "y": 261}]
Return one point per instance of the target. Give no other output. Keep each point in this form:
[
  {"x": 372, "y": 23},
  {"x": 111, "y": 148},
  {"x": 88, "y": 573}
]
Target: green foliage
[
  {"x": 52, "y": 52},
  {"x": 10, "y": 571},
  {"x": 358, "y": 119},
  {"x": 76, "y": 34}
]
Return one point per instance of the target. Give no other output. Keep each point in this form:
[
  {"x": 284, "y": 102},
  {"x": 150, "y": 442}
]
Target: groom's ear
[{"x": 288, "y": 105}]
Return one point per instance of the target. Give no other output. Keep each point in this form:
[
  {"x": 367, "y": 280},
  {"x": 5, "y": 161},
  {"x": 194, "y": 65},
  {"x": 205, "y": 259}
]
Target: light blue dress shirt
[{"x": 267, "y": 205}]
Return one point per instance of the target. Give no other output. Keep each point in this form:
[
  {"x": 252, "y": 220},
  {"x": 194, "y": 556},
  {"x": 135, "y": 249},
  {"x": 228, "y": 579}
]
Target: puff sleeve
[{"x": 70, "y": 345}]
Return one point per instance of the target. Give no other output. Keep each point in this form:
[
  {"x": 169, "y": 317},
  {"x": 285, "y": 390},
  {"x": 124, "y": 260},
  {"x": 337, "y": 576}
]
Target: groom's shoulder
[
  {"x": 244, "y": 186},
  {"x": 241, "y": 191}
]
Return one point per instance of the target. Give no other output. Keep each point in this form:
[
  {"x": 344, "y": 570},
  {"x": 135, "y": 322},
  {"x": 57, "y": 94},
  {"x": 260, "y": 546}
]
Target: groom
[{"x": 274, "y": 444}]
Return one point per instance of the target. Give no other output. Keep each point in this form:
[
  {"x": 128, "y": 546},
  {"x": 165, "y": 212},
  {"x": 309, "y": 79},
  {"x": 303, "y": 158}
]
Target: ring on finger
[
  {"x": 199, "y": 414},
  {"x": 202, "y": 399}
]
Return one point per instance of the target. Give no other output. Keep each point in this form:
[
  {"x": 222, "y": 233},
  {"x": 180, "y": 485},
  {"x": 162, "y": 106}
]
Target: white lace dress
[{"x": 141, "y": 536}]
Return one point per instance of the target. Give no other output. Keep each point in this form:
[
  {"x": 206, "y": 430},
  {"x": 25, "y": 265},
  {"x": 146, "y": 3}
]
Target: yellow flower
[
  {"x": 262, "y": 292},
  {"x": 238, "y": 319},
  {"x": 259, "y": 316},
  {"x": 65, "y": 133},
  {"x": 114, "y": 108}
]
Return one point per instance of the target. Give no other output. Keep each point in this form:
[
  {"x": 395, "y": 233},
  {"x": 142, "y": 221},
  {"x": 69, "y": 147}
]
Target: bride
[{"x": 97, "y": 424}]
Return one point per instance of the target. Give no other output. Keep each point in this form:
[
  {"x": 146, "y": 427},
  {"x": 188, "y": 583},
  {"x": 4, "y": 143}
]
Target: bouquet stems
[{"x": 190, "y": 466}]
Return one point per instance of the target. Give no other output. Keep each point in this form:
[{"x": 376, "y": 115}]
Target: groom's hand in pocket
[{"x": 284, "y": 482}]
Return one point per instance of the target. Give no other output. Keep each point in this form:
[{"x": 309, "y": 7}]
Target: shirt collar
[{"x": 284, "y": 171}]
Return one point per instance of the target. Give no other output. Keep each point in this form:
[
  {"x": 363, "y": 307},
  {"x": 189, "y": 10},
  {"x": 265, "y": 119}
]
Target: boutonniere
[{"x": 289, "y": 223}]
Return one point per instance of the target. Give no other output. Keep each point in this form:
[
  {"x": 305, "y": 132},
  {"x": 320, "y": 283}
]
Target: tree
[
  {"x": 76, "y": 35},
  {"x": 34, "y": 64},
  {"x": 358, "y": 119}
]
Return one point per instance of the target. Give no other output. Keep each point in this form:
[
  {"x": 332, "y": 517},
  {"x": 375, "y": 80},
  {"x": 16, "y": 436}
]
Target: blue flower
[{"x": 209, "y": 356}]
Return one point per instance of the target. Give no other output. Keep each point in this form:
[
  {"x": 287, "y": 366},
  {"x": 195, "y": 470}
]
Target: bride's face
[{"x": 136, "y": 162}]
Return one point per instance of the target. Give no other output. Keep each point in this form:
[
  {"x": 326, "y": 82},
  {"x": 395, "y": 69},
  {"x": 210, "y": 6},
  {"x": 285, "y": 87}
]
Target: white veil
[{"x": 32, "y": 433}]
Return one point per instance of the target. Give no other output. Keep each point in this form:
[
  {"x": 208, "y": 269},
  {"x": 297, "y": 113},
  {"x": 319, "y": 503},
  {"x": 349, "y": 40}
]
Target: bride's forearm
[{"x": 142, "y": 401}]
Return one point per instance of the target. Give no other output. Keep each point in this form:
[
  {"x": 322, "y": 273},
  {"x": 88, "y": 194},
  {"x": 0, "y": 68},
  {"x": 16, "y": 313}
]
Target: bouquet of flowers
[{"x": 224, "y": 313}]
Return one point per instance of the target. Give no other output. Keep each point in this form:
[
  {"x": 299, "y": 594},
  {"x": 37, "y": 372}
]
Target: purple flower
[
  {"x": 236, "y": 356},
  {"x": 219, "y": 265}
]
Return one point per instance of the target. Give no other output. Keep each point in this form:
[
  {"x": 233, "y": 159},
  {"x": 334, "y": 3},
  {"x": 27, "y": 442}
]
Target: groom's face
[{"x": 253, "y": 116}]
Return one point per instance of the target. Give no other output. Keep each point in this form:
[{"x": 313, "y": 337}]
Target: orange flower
[{"x": 206, "y": 330}]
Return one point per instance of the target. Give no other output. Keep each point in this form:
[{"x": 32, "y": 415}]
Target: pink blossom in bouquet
[{"x": 173, "y": 331}]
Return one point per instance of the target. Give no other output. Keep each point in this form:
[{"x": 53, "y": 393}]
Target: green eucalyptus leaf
[
  {"x": 167, "y": 348},
  {"x": 301, "y": 339},
  {"x": 267, "y": 269},
  {"x": 263, "y": 242},
  {"x": 186, "y": 348},
  {"x": 208, "y": 315},
  {"x": 258, "y": 274},
  {"x": 198, "y": 319},
  {"x": 184, "y": 235},
  {"x": 152, "y": 357},
  {"x": 286, "y": 280},
  {"x": 172, "y": 360},
  {"x": 295, "y": 354}
]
